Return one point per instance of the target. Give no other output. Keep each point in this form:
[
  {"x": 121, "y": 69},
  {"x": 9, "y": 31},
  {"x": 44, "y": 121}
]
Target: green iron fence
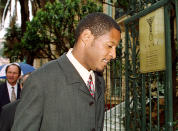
[{"x": 138, "y": 101}]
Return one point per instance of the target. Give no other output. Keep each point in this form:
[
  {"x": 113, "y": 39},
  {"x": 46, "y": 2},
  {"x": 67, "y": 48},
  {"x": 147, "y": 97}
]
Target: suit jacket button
[
  {"x": 91, "y": 103},
  {"x": 93, "y": 129}
]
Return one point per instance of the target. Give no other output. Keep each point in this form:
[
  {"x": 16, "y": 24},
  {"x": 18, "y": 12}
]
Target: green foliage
[
  {"x": 124, "y": 4},
  {"x": 51, "y": 32},
  {"x": 12, "y": 42}
]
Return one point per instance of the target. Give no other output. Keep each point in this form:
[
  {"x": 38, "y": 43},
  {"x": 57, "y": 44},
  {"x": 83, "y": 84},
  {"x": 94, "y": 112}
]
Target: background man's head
[
  {"x": 97, "y": 37},
  {"x": 13, "y": 72},
  {"x": 23, "y": 78}
]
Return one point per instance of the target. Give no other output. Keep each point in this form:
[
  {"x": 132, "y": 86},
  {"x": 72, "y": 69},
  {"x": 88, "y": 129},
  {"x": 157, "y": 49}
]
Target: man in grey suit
[{"x": 67, "y": 94}]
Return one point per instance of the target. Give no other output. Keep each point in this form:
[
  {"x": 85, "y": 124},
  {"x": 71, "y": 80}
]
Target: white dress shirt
[
  {"x": 9, "y": 87},
  {"x": 84, "y": 73}
]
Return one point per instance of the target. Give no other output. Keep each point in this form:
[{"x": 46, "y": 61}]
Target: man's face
[
  {"x": 102, "y": 49},
  {"x": 12, "y": 74}
]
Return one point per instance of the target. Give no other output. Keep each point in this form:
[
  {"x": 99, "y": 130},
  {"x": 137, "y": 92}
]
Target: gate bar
[
  {"x": 176, "y": 8},
  {"x": 143, "y": 105},
  {"x": 127, "y": 96},
  {"x": 169, "y": 99}
]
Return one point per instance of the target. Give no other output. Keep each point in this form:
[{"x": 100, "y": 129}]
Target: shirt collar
[
  {"x": 9, "y": 86},
  {"x": 84, "y": 73}
]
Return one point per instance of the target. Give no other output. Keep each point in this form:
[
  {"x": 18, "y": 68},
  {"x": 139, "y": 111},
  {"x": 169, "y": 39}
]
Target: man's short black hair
[
  {"x": 15, "y": 65},
  {"x": 98, "y": 23}
]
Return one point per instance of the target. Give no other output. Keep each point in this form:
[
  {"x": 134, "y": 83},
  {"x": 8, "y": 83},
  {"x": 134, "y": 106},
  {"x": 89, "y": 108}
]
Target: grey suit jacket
[
  {"x": 7, "y": 116},
  {"x": 55, "y": 98}
]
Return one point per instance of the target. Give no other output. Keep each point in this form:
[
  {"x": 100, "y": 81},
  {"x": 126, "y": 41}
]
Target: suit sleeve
[
  {"x": 28, "y": 114},
  {"x": 2, "y": 119},
  {"x": 7, "y": 116}
]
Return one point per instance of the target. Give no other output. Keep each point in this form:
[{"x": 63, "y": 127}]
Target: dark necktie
[
  {"x": 13, "y": 96},
  {"x": 91, "y": 86}
]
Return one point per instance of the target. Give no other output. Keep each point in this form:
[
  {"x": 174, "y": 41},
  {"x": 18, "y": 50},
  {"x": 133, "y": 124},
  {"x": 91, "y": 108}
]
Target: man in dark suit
[
  {"x": 10, "y": 89},
  {"x": 8, "y": 111},
  {"x": 67, "y": 94}
]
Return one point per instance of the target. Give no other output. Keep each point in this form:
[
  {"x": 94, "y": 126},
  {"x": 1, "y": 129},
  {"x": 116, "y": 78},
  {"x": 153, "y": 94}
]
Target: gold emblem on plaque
[{"x": 150, "y": 21}]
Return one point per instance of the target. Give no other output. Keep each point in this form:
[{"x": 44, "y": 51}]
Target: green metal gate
[{"x": 137, "y": 101}]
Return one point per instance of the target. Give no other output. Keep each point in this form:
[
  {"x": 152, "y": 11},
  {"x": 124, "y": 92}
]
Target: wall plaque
[{"x": 152, "y": 41}]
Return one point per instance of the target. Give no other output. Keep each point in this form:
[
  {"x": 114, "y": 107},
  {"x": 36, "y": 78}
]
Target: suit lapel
[
  {"x": 97, "y": 86},
  {"x": 6, "y": 94},
  {"x": 71, "y": 74},
  {"x": 18, "y": 91}
]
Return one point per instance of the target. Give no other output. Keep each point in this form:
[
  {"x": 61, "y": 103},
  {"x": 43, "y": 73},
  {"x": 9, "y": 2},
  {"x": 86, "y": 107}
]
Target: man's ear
[{"x": 87, "y": 36}]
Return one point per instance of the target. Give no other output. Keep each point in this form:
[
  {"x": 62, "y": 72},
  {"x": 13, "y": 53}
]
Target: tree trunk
[
  {"x": 30, "y": 59},
  {"x": 24, "y": 14}
]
